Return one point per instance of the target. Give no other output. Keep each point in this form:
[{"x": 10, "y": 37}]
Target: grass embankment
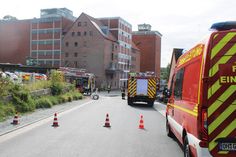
[{"x": 22, "y": 101}]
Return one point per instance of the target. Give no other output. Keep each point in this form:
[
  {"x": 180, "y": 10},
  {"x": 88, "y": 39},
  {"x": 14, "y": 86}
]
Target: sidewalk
[{"x": 38, "y": 115}]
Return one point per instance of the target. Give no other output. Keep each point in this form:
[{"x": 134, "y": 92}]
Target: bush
[
  {"x": 22, "y": 100},
  {"x": 77, "y": 95},
  {"x": 43, "y": 103},
  {"x": 57, "y": 88},
  {"x": 6, "y": 110},
  {"x": 54, "y": 100}
]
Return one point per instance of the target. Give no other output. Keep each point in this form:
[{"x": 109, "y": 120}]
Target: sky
[{"x": 182, "y": 23}]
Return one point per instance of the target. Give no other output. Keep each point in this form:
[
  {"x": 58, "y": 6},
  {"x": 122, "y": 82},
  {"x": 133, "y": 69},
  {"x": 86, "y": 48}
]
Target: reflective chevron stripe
[
  {"x": 151, "y": 88},
  {"x": 132, "y": 87},
  {"x": 221, "y": 97}
]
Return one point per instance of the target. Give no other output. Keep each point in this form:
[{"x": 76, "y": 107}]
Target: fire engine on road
[
  {"x": 201, "y": 110},
  {"x": 142, "y": 87}
]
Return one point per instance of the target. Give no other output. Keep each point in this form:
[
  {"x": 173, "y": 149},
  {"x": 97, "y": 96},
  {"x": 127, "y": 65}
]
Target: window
[
  {"x": 78, "y": 33},
  {"x": 76, "y": 54},
  {"x": 85, "y": 23},
  {"x": 179, "y": 84},
  {"x": 85, "y": 33},
  {"x": 76, "y": 44},
  {"x": 67, "y": 44},
  {"x": 79, "y": 24},
  {"x": 67, "y": 54},
  {"x": 73, "y": 34},
  {"x": 112, "y": 56},
  {"x": 91, "y": 33}
]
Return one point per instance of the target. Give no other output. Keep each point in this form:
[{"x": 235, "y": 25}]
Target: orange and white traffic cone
[
  {"x": 141, "y": 123},
  {"x": 55, "y": 122},
  {"x": 16, "y": 119},
  {"x": 107, "y": 122}
]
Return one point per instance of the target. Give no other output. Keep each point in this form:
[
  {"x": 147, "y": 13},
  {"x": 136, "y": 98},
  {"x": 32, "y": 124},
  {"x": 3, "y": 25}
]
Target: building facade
[
  {"x": 35, "y": 41},
  {"x": 121, "y": 30},
  {"x": 149, "y": 43},
  {"x": 87, "y": 46},
  {"x": 15, "y": 41},
  {"x": 46, "y": 35}
]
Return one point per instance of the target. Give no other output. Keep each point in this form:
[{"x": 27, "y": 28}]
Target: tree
[
  {"x": 165, "y": 72},
  {"x": 9, "y": 18}
]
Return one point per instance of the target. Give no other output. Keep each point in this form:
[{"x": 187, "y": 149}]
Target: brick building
[
  {"x": 149, "y": 43},
  {"x": 38, "y": 40},
  {"x": 102, "y": 46},
  {"x": 46, "y": 35},
  {"x": 121, "y": 30},
  {"x": 89, "y": 47},
  {"x": 15, "y": 41}
]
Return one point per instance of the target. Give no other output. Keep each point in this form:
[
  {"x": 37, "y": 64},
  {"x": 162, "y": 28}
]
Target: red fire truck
[
  {"x": 84, "y": 82},
  {"x": 142, "y": 87},
  {"x": 201, "y": 110}
]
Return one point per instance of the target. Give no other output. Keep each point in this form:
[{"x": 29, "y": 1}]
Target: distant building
[
  {"x": 88, "y": 47},
  {"x": 121, "y": 30},
  {"x": 35, "y": 41},
  {"x": 46, "y": 36},
  {"x": 102, "y": 46},
  {"x": 149, "y": 43},
  {"x": 175, "y": 56},
  {"x": 14, "y": 41}
]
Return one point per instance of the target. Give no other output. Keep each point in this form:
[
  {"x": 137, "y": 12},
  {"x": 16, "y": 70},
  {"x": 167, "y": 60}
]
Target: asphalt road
[{"x": 81, "y": 133}]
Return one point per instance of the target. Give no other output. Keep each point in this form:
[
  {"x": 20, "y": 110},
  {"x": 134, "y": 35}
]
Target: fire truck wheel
[
  {"x": 187, "y": 151},
  {"x": 150, "y": 103},
  {"x": 168, "y": 130},
  {"x": 130, "y": 102}
]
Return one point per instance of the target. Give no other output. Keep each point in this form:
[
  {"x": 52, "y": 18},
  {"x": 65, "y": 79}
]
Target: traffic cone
[
  {"x": 16, "y": 119},
  {"x": 55, "y": 122},
  {"x": 107, "y": 123},
  {"x": 141, "y": 123}
]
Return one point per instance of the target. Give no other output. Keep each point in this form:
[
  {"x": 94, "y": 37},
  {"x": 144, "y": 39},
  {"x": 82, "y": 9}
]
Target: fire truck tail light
[
  {"x": 204, "y": 125},
  {"x": 204, "y": 119}
]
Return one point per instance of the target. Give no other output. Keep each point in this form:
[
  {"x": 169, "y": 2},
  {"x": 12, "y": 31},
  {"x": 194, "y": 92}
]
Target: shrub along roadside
[{"x": 25, "y": 103}]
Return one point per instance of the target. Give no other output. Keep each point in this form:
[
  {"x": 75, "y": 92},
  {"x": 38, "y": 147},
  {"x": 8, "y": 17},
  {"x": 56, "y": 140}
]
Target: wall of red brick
[
  {"x": 14, "y": 41},
  {"x": 150, "y": 57}
]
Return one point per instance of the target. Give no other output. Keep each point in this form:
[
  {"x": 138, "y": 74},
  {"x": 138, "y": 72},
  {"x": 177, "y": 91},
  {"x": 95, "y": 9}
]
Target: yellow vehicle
[{"x": 142, "y": 88}]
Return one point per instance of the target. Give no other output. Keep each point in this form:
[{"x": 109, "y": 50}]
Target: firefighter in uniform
[{"x": 123, "y": 93}]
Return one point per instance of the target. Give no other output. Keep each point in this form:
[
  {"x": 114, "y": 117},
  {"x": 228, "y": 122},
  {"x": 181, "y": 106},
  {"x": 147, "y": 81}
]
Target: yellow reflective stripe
[
  {"x": 213, "y": 88},
  {"x": 223, "y": 98},
  {"x": 221, "y": 44},
  {"x": 220, "y": 119},
  {"x": 224, "y": 133},
  {"x": 216, "y": 35},
  {"x": 223, "y": 60},
  {"x": 193, "y": 113}
]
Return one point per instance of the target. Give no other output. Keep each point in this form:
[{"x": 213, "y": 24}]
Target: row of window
[
  {"x": 85, "y": 33},
  {"x": 49, "y": 62},
  {"x": 46, "y": 31},
  {"x": 45, "y": 42},
  {"x": 45, "y": 53},
  {"x": 76, "y": 44}
]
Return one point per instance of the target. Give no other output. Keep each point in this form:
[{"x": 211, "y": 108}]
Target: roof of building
[
  {"x": 134, "y": 46},
  {"x": 97, "y": 24},
  {"x": 146, "y": 33}
]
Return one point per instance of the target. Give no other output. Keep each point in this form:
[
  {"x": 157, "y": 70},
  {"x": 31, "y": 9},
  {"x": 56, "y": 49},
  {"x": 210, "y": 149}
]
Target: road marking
[{"x": 27, "y": 127}]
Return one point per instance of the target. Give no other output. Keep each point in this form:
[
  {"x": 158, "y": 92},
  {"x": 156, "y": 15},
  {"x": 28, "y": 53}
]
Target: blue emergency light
[{"x": 221, "y": 26}]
